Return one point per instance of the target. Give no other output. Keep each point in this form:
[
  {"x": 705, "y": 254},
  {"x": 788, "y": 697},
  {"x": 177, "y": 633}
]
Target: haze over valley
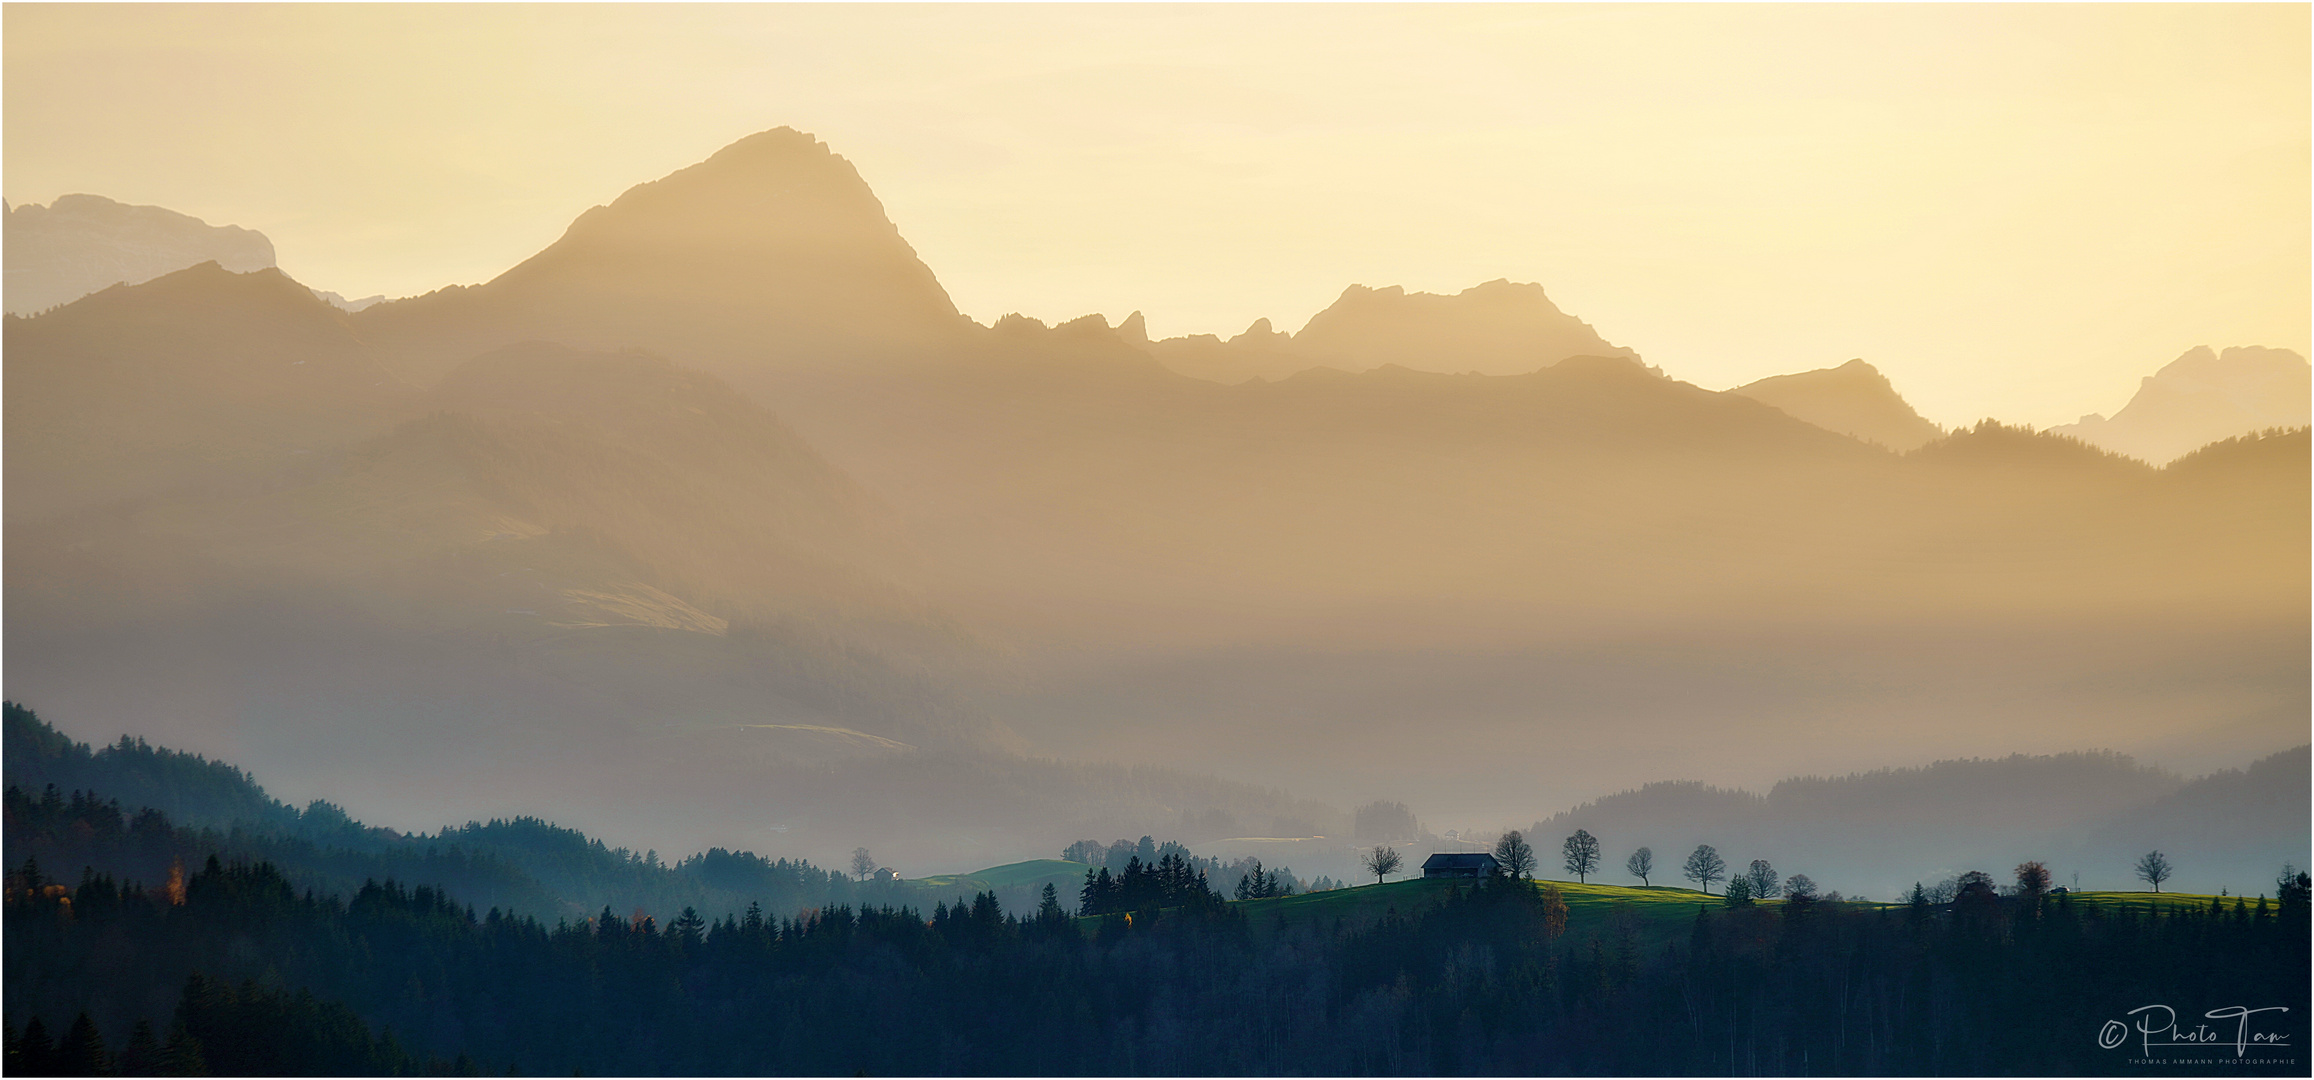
[{"x": 716, "y": 523}]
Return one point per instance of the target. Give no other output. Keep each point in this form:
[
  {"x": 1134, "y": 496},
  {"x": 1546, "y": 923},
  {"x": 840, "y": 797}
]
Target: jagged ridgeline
[{"x": 716, "y": 523}]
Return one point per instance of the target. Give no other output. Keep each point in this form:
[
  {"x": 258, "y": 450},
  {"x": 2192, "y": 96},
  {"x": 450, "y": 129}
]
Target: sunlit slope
[
  {"x": 1061, "y": 477},
  {"x": 772, "y": 252},
  {"x": 1017, "y": 886},
  {"x": 1853, "y": 399}
]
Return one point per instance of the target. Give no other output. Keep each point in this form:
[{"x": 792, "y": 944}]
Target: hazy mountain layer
[
  {"x": 82, "y": 244},
  {"x": 2202, "y": 397},
  {"x": 773, "y": 250},
  {"x": 461, "y": 550},
  {"x": 2086, "y": 814},
  {"x": 1853, "y": 399},
  {"x": 1498, "y": 328},
  {"x": 198, "y": 379}
]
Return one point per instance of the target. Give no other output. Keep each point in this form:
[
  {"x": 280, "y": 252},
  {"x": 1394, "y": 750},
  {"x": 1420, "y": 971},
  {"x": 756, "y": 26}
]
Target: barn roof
[{"x": 1460, "y": 860}]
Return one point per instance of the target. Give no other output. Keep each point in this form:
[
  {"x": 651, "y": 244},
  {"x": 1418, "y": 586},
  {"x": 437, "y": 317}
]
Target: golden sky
[{"x": 2014, "y": 211}]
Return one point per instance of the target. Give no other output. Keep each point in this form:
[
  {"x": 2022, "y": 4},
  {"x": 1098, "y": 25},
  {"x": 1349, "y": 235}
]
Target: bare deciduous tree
[
  {"x": 863, "y": 864},
  {"x": 1641, "y": 864},
  {"x": 1800, "y": 889},
  {"x": 1765, "y": 883},
  {"x": 1582, "y": 850},
  {"x": 1705, "y": 866},
  {"x": 1515, "y": 855},
  {"x": 1382, "y": 862},
  {"x": 2153, "y": 869}
]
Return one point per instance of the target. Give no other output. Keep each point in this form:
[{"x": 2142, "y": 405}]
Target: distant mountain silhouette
[
  {"x": 722, "y": 476},
  {"x": 2202, "y": 397},
  {"x": 197, "y": 377},
  {"x": 1875, "y": 832},
  {"x": 1852, "y": 399},
  {"x": 1498, "y": 328},
  {"x": 342, "y": 304},
  {"x": 2253, "y": 818},
  {"x": 771, "y": 252},
  {"x": 82, "y": 244}
]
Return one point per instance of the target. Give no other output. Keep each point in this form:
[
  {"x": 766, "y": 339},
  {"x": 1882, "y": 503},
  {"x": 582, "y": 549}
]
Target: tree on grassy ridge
[
  {"x": 1705, "y": 866},
  {"x": 1640, "y": 865},
  {"x": 1763, "y": 880},
  {"x": 1382, "y": 862},
  {"x": 2153, "y": 869},
  {"x": 1801, "y": 889},
  {"x": 1582, "y": 851}
]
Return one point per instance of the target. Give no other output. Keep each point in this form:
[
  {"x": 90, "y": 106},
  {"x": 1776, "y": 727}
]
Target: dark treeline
[
  {"x": 1492, "y": 979},
  {"x": 519, "y": 865},
  {"x": 1171, "y": 883},
  {"x": 1244, "y": 877}
]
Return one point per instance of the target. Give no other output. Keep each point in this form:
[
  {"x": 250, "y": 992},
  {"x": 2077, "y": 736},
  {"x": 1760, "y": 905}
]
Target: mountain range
[
  {"x": 2202, "y": 397},
  {"x": 1498, "y": 328},
  {"x": 716, "y": 515},
  {"x": 81, "y": 244}
]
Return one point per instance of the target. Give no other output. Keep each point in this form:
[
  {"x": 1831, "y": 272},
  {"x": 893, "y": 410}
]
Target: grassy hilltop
[{"x": 1659, "y": 914}]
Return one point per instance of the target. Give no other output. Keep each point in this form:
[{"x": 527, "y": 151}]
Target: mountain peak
[
  {"x": 1854, "y": 399},
  {"x": 771, "y": 251}
]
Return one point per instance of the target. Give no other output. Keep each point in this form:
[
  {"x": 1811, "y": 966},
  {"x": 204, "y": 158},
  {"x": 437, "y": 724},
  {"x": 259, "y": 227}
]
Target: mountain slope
[
  {"x": 1853, "y": 399},
  {"x": 82, "y": 244},
  {"x": 773, "y": 251},
  {"x": 194, "y": 378}
]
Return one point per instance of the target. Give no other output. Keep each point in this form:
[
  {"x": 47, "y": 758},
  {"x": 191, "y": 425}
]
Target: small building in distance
[{"x": 1451, "y": 864}]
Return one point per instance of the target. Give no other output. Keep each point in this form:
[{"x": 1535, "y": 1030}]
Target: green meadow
[
  {"x": 1016, "y": 884},
  {"x": 1659, "y": 914}
]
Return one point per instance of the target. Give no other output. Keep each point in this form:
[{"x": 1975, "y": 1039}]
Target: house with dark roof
[{"x": 1459, "y": 864}]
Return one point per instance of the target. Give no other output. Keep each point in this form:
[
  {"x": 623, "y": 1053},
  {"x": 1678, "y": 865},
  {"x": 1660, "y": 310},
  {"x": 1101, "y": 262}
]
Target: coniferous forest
[
  {"x": 223, "y": 963},
  {"x": 1156, "y": 539}
]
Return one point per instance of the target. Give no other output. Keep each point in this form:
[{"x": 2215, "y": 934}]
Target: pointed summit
[
  {"x": 1854, "y": 399},
  {"x": 770, "y": 252}
]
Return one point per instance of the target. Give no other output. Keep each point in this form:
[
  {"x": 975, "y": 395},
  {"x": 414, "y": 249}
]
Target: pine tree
[
  {"x": 82, "y": 1052},
  {"x": 142, "y": 1055},
  {"x": 686, "y": 928},
  {"x": 32, "y": 1054},
  {"x": 182, "y": 1055}
]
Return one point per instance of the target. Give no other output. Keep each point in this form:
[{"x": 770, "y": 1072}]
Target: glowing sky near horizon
[{"x": 2013, "y": 211}]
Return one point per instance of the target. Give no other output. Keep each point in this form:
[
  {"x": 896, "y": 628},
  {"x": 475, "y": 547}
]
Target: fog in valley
[{"x": 715, "y": 523}]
